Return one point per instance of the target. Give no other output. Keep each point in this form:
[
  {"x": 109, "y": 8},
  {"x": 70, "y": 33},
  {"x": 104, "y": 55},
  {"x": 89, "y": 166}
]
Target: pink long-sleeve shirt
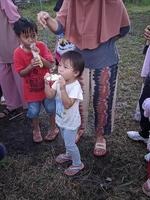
[{"x": 8, "y": 40}]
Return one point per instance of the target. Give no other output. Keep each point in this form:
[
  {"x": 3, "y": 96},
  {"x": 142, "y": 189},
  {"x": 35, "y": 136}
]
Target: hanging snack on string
[{"x": 36, "y": 53}]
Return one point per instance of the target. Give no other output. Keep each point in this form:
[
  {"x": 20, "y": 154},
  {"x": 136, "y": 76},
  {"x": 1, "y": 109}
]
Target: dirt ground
[{"x": 29, "y": 171}]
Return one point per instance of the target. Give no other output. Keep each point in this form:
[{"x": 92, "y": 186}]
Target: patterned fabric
[{"x": 100, "y": 86}]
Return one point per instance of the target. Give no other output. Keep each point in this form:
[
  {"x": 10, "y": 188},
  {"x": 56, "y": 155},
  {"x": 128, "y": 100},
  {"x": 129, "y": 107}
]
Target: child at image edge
[
  {"x": 33, "y": 76},
  {"x": 68, "y": 94}
]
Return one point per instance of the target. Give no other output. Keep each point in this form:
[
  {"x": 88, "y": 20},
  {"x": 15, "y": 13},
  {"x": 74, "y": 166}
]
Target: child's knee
[
  {"x": 50, "y": 106},
  {"x": 71, "y": 148},
  {"x": 33, "y": 113}
]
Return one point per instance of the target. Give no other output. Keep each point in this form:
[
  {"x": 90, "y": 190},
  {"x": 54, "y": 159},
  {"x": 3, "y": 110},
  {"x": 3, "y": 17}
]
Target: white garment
[
  {"x": 146, "y": 107},
  {"x": 68, "y": 118}
]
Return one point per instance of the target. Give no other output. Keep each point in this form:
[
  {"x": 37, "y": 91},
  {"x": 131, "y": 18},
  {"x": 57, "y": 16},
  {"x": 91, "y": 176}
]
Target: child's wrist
[
  {"x": 62, "y": 88},
  {"x": 46, "y": 82}
]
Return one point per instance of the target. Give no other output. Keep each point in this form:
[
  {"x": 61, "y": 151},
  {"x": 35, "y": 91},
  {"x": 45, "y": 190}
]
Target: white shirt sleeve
[{"x": 76, "y": 92}]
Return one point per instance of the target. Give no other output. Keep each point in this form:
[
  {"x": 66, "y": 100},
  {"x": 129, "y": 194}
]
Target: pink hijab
[
  {"x": 87, "y": 23},
  {"x": 8, "y": 40}
]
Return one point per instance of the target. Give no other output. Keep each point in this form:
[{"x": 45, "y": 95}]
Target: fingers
[
  {"x": 42, "y": 18},
  {"x": 36, "y": 62},
  {"x": 46, "y": 75},
  {"x": 147, "y": 32}
]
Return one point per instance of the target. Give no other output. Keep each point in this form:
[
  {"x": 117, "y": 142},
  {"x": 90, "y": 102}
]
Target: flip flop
[
  {"x": 37, "y": 138},
  {"x": 99, "y": 148},
  {"x": 10, "y": 115},
  {"x": 62, "y": 158},
  {"x": 51, "y": 135},
  {"x": 146, "y": 189},
  {"x": 73, "y": 170}
]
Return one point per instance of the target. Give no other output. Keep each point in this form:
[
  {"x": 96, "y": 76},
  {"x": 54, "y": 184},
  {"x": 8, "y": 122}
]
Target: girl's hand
[
  {"x": 36, "y": 61},
  {"x": 42, "y": 18},
  {"x": 62, "y": 83},
  {"x": 147, "y": 32},
  {"x": 46, "y": 75}
]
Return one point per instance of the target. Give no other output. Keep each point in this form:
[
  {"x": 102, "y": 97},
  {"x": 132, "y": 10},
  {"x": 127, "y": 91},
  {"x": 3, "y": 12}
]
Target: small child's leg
[
  {"x": 64, "y": 157},
  {"x": 53, "y": 132},
  {"x": 33, "y": 114},
  {"x": 50, "y": 107},
  {"x": 36, "y": 131},
  {"x": 73, "y": 151}
]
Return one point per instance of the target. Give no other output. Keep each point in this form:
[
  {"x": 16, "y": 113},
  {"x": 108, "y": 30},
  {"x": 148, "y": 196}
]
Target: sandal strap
[
  {"x": 6, "y": 111},
  {"x": 76, "y": 167},
  {"x": 100, "y": 145},
  {"x": 63, "y": 156}
]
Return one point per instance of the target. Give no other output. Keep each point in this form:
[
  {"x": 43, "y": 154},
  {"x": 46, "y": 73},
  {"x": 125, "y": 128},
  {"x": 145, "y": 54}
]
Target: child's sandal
[
  {"x": 37, "y": 138},
  {"x": 73, "y": 170},
  {"x": 62, "y": 158},
  {"x": 51, "y": 135}
]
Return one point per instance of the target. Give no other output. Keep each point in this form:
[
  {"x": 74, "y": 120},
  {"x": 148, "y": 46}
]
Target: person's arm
[
  {"x": 34, "y": 63},
  {"x": 66, "y": 100},
  {"x": 123, "y": 32},
  {"x": 45, "y": 55},
  {"x": 45, "y": 62},
  {"x": 46, "y": 20},
  {"x": 54, "y": 24},
  {"x": 147, "y": 32},
  {"x": 11, "y": 10}
]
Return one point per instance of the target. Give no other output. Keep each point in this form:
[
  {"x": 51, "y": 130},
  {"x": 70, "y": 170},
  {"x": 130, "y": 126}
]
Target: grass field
[{"x": 29, "y": 171}]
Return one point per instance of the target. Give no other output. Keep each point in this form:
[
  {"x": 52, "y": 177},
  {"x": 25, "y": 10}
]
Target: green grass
[{"x": 138, "y": 2}]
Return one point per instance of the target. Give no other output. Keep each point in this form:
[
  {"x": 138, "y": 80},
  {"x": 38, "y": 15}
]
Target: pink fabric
[
  {"x": 10, "y": 10},
  {"x": 10, "y": 81},
  {"x": 146, "y": 65},
  {"x": 146, "y": 107},
  {"x": 148, "y": 170},
  {"x": 88, "y": 23},
  {"x": 10, "y": 88},
  {"x": 8, "y": 40}
]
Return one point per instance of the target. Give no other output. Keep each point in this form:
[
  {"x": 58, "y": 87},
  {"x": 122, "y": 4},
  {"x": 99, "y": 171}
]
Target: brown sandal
[
  {"x": 51, "y": 135},
  {"x": 73, "y": 170},
  {"x": 62, "y": 158},
  {"x": 37, "y": 138},
  {"x": 100, "y": 148}
]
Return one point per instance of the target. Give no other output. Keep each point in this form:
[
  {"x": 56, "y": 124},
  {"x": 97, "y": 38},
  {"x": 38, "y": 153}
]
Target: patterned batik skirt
[{"x": 99, "y": 87}]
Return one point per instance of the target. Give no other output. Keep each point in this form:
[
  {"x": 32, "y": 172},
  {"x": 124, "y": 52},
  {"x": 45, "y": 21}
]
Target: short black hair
[
  {"x": 76, "y": 60},
  {"x": 24, "y": 25}
]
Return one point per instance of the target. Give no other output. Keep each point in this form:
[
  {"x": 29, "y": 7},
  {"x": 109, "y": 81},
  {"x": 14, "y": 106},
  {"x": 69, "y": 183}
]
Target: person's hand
[
  {"x": 62, "y": 83},
  {"x": 46, "y": 76},
  {"x": 147, "y": 32},
  {"x": 42, "y": 18},
  {"x": 36, "y": 62}
]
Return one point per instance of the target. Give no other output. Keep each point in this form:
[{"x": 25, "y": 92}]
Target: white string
[
  {"x": 41, "y": 5},
  {"x": 46, "y": 31}
]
